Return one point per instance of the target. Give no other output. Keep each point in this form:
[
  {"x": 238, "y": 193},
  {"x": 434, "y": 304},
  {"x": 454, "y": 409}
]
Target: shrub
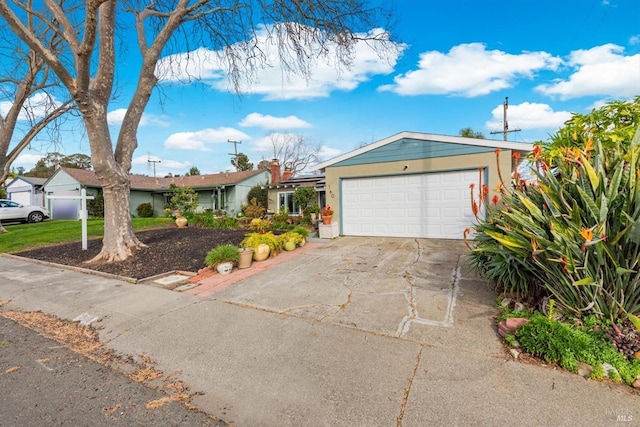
[
  {"x": 576, "y": 234},
  {"x": 95, "y": 207},
  {"x": 260, "y": 225},
  {"x": 222, "y": 253},
  {"x": 145, "y": 210},
  {"x": 301, "y": 231},
  {"x": 254, "y": 209},
  {"x": 258, "y": 192},
  {"x": 209, "y": 220}
]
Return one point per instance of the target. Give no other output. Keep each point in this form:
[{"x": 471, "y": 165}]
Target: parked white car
[{"x": 11, "y": 211}]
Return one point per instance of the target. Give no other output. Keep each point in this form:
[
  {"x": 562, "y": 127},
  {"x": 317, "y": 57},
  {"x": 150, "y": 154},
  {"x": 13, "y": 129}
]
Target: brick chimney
[
  {"x": 287, "y": 173},
  {"x": 275, "y": 171}
]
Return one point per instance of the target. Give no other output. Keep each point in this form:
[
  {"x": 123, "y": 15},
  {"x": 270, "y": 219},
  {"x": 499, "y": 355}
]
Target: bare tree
[
  {"x": 302, "y": 31},
  {"x": 293, "y": 151},
  {"x": 27, "y": 87}
]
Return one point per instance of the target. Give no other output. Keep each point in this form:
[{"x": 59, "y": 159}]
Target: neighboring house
[
  {"x": 280, "y": 192},
  {"x": 414, "y": 184},
  {"x": 26, "y": 190},
  {"x": 225, "y": 191}
]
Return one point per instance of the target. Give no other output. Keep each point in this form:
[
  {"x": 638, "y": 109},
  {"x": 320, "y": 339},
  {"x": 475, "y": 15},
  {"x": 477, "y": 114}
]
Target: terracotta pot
[
  {"x": 261, "y": 252},
  {"x": 224, "y": 267},
  {"x": 181, "y": 222},
  {"x": 246, "y": 256},
  {"x": 327, "y": 219}
]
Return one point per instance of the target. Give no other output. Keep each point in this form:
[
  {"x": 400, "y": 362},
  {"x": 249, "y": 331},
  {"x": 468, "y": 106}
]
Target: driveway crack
[
  {"x": 407, "y": 389},
  {"x": 410, "y": 294}
]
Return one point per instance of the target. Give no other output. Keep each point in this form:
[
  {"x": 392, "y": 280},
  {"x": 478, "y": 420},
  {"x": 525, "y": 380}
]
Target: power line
[
  {"x": 505, "y": 124},
  {"x": 235, "y": 149},
  {"x": 154, "y": 165}
]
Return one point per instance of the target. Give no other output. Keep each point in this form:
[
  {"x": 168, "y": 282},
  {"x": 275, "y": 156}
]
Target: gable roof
[
  {"x": 35, "y": 181},
  {"x": 521, "y": 147},
  {"x": 143, "y": 182}
]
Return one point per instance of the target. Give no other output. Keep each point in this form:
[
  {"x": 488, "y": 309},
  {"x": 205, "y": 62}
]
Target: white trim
[{"x": 491, "y": 143}]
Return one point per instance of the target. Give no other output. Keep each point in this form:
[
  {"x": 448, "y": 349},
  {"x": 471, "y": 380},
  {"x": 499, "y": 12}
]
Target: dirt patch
[{"x": 168, "y": 249}]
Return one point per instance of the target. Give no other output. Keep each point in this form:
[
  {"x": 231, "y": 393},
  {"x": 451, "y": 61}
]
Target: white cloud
[
  {"x": 469, "y": 70},
  {"x": 28, "y": 159},
  {"x": 274, "y": 81},
  {"x": 633, "y": 40},
  {"x": 599, "y": 71},
  {"x": 115, "y": 117},
  {"x": 528, "y": 116},
  {"x": 35, "y": 107},
  {"x": 327, "y": 153},
  {"x": 198, "y": 141},
  {"x": 272, "y": 122}
]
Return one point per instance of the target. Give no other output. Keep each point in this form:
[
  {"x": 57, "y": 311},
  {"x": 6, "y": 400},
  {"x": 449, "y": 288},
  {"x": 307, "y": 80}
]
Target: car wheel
[{"x": 36, "y": 217}]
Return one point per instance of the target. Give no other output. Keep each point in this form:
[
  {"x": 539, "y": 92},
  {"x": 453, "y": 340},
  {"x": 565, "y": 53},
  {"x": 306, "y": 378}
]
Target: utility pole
[
  {"x": 235, "y": 149},
  {"x": 154, "y": 165},
  {"x": 505, "y": 127}
]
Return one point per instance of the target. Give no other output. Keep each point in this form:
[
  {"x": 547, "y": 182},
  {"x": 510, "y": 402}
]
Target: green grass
[{"x": 28, "y": 236}]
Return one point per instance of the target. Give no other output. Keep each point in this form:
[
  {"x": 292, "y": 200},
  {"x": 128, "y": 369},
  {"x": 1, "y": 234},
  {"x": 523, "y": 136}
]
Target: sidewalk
[{"x": 354, "y": 332}]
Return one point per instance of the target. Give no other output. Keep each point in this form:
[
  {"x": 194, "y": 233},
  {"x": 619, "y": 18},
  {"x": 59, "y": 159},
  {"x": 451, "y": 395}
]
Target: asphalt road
[{"x": 43, "y": 383}]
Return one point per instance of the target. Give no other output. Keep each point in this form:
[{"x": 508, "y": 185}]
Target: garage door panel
[{"x": 431, "y": 205}]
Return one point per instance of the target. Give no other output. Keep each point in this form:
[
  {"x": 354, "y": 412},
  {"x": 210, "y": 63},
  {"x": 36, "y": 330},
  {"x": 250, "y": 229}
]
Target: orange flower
[
  {"x": 474, "y": 208},
  {"x": 588, "y": 146},
  {"x": 495, "y": 199},
  {"x": 472, "y": 186},
  {"x": 464, "y": 236},
  {"x": 587, "y": 233},
  {"x": 515, "y": 155},
  {"x": 537, "y": 150},
  {"x": 497, "y": 151}
]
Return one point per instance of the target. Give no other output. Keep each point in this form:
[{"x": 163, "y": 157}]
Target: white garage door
[
  {"x": 22, "y": 197},
  {"x": 430, "y": 205}
]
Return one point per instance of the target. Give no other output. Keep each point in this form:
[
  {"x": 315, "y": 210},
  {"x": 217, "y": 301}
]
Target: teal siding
[{"x": 412, "y": 149}]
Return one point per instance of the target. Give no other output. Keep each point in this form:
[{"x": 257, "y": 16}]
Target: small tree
[
  {"x": 241, "y": 162},
  {"x": 193, "y": 171},
  {"x": 183, "y": 199},
  {"x": 470, "y": 133},
  {"x": 303, "y": 196}
]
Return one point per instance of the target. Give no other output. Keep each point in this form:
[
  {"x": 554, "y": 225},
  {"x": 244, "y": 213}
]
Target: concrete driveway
[
  {"x": 355, "y": 332},
  {"x": 402, "y": 288}
]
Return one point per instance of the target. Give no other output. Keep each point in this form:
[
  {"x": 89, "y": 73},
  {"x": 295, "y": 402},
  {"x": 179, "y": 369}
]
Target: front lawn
[{"x": 28, "y": 236}]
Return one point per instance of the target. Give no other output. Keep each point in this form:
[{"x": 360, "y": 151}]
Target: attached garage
[
  {"x": 414, "y": 184},
  {"x": 430, "y": 205}
]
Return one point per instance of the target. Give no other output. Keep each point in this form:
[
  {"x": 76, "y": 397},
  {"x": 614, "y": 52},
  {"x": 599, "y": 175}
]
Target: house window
[{"x": 286, "y": 200}]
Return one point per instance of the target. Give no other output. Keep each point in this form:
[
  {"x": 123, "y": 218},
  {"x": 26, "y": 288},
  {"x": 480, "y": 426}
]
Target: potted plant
[
  {"x": 263, "y": 245},
  {"x": 327, "y": 214},
  {"x": 313, "y": 211},
  {"x": 290, "y": 240},
  {"x": 303, "y": 232},
  {"x": 246, "y": 256},
  {"x": 222, "y": 258}
]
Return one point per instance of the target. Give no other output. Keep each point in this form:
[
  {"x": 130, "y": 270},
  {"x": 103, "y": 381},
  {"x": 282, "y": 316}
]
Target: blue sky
[{"x": 457, "y": 62}]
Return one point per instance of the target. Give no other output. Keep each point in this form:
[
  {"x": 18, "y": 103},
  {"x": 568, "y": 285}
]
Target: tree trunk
[{"x": 119, "y": 242}]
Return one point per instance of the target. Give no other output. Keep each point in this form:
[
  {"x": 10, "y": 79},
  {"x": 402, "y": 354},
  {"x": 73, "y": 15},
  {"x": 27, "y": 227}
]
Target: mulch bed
[{"x": 169, "y": 249}]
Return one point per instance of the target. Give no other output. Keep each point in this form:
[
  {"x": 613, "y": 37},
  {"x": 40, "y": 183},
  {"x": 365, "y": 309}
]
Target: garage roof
[{"x": 438, "y": 146}]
